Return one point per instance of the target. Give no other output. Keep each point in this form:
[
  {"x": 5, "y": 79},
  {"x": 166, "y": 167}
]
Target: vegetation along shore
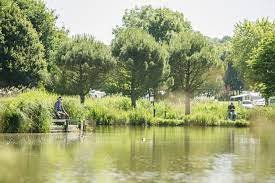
[
  {"x": 153, "y": 71},
  {"x": 32, "y": 111}
]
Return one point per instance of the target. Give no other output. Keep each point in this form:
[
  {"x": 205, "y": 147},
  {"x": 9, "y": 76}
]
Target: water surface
[{"x": 123, "y": 154}]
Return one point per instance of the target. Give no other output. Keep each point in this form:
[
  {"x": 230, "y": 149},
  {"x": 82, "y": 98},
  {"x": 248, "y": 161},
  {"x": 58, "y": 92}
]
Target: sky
[{"x": 213, "y": 18}]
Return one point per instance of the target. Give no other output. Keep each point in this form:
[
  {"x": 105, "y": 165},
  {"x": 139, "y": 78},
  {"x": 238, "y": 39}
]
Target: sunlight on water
[{"x": 140, "y": 155}]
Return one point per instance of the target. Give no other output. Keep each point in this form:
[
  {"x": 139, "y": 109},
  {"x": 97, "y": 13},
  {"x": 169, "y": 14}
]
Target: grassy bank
[{"x": 33, "y": 112}]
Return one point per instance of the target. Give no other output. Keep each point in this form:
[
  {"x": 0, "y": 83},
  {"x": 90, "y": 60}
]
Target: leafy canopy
[
  {"x": 247, "y": 37},
  {"x": 43, "y": 21},
  {"x": 143, "y": 59},
  {"x": 21, "y": 53},
  {"x": 262, "y": 65},
  {"x": 191, "y": 57},
  {"x": 84, "y": 61},
  {"x": 161, "y": 23}
]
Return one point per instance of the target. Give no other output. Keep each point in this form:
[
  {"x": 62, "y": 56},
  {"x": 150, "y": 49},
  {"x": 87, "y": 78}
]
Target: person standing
[{"x": 231, "y": 111}]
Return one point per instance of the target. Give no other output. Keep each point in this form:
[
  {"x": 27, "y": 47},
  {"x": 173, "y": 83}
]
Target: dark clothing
[
  {"x": 231, "y": 112},
  {"x": 58, "y": 106},
  {"x": 60, "y": 111},
  {"x": 231, "y": 107}
]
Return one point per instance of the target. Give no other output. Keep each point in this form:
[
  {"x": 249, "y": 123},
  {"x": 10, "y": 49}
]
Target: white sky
[{"x": 214, "y": 18}]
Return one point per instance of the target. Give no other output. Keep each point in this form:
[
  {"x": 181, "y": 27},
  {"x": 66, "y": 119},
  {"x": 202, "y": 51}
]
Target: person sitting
[
  {"x": 59, "y": 109},
  {"x": 231, "y": 111}
]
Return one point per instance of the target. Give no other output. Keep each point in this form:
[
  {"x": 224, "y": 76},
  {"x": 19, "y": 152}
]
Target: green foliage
[
  {"x": 213, "y": 85},
  {"x": 14, "y": 121},
  {"x": 232, "y": 79},
  {"x": 83, "y": 63},
  {"x": 38, "y": 114},
  {"x": 191, "y": 57},
  {"x": 74, "y": 108},
  {"x": 161, "y": 23},
  {"x": 33, "y": 111},
  {"x": 43, "y": 21},
  {"x": 263, "y": 65},
  {"x": 143, "y": 61},
  {"x": 21, "y": 53},
  {"x": 26, "y": 116},
  {"x": 248, "y": 37}
]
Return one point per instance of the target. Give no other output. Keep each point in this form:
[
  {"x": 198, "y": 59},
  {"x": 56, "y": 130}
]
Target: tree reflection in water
[{"x": 128, "y": 154}]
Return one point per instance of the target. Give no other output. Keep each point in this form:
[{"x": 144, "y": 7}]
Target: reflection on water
[{"x": 140, "y": 155}]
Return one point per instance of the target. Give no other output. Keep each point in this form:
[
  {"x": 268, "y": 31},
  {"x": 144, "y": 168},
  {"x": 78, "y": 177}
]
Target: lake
[{"x": 137, "y": 154}]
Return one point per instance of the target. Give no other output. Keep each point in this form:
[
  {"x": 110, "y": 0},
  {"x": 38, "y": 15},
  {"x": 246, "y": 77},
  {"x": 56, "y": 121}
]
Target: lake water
[{"x": 124, "y": 154}]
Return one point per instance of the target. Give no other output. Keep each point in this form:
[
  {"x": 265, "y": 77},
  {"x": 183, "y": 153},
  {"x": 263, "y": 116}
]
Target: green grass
[{"x": 32, "y": 111}]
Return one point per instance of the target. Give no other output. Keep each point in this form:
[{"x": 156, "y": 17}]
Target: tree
[
  {"x": 143, "y": 61},
  {"x": 21, "y": 53},
  {"x": 83, "y": 61},
  {"x": 232, "y": 79},
  {"x": 247, "y": 37},
  {"x": 262, "y": 65},
  {"x": 43, "y": 21},
  {"x": 161, "y": 23},
  {"x": 191, "y": 57},
  {"x": 213, "y": 85}
]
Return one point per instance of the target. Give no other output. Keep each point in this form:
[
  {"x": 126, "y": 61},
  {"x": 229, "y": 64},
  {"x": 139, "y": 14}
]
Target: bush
[{"x": 14, "y": 121}]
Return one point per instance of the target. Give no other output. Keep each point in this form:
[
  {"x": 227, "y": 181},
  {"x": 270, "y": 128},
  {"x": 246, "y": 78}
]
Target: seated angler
[{"x": 59, "y": 109}]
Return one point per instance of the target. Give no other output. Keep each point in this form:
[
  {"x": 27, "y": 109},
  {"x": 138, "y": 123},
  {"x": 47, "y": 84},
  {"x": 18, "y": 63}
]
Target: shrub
[{"x": 14, "y": 121}]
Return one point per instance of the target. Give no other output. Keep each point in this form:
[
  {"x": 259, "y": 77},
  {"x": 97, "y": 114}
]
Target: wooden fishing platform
[{"x": 67, "y": 125}]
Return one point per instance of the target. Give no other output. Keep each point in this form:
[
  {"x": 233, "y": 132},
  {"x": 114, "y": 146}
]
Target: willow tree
[
  {"x": 143, "y": 61},
  {"x": 83, "y": 61},
  {"x": 191, "y": 57}
]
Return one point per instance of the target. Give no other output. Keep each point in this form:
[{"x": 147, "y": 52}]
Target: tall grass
[{"x": 32, "y": 111}]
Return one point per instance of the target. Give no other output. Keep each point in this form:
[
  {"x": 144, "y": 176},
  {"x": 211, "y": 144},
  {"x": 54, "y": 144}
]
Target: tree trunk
[
  {"x": 82, "y": 98},
  {"x": 156, "y": 97},
  {"x": 266, "y": 101},
  {"x": 187, "y": 103},
  {"x": 133, "y": 99},
  {"x": 133, "y": 93}
]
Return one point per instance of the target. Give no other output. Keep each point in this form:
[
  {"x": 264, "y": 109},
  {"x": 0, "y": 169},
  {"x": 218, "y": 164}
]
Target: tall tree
[
  {"x": 213, "y": 85},
  {"x": 161, "y": 23},
  {"x": 191, "y": 57},
  {"x": 143, "y": 60},
  {"x": 247, "y": 37},
  {"x": 43, "y": 21},
  {"x": 262, "y": 65},
  {"x": 21, "y": 53},
  {"x": 84, "y": 61},
  {"x": 231, "y": 78}
]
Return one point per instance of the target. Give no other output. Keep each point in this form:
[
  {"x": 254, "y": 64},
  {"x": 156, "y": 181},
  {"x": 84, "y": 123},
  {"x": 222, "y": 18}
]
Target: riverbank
[{"x": 32, "y": 111}]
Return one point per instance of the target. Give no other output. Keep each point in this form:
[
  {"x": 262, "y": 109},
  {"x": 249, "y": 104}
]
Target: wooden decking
[{"x": 67, "y": 125}]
